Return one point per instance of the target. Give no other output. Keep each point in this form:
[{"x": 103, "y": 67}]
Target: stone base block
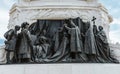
[{"x": 60, "y": 69}]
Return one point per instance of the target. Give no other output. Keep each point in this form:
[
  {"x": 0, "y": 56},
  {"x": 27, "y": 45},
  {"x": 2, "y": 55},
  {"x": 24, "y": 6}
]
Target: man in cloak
[
  {"x": 76, "y": 46},
  {"x": 103, "y": 46},
  {"x": 26, "y": 47},
  {"x": 11, "y": 37}
]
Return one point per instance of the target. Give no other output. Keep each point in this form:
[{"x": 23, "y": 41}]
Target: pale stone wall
[
  {"x": 61, "y": 69},
  {"x": 2, "y": 55},
  {"x": 39, "y": 9},
  {"x": 115, "y": 51}
]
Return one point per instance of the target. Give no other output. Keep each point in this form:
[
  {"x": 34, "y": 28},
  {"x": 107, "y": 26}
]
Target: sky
[
  {"x": 113, "y": 7},
  {"x": 5, "y": 6}
]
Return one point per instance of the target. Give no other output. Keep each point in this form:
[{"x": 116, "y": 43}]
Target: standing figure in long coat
[
  {"x": 25, "y": 47},
  {"x": 97, "y": 57},
  {"x": 103, "y": 46},
  {"x": 90, "y": 45},
  {"x": 11, "y": 37},
  {"x": 76, "y": 45}
]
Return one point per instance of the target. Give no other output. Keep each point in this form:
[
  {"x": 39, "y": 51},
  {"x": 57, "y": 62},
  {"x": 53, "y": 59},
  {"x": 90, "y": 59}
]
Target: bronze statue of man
[
  {"x": 11, "y": 37},
  {"x": 25, "y": 48},
  {"x": 103, "y": 46},
  {"x": 75, "y": 40}
]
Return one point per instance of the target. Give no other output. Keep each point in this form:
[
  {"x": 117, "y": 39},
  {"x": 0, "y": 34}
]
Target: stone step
[{"x": 75, "y": 68}]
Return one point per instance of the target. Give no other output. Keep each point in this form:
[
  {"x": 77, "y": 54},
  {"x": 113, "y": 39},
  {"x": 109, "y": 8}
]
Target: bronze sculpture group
[{"x": 70, "y": 40}]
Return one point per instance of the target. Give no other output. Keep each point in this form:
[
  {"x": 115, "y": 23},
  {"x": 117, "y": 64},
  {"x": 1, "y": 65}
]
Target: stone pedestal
[
  {"x": 61, "y": 69},
  {"x": 115, "y": 51},
  {"x": 31, "y": 10},
  {"x": 2, "y": 55}
]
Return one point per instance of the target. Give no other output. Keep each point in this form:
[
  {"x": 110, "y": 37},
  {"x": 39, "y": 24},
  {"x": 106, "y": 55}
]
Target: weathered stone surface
[
  {"x": 2, "y": 55},
  {"x": 32, "y": 10},
  {"x": 115, "y": 51},
  {"x": 61, "y": 69}
]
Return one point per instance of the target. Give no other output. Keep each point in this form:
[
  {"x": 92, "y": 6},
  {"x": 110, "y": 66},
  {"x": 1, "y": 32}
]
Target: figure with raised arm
[{"x": 76, "y": 45}]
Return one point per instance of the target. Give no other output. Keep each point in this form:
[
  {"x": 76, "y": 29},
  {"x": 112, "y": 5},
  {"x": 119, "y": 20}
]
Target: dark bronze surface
[{"x": 58, "y": 41}]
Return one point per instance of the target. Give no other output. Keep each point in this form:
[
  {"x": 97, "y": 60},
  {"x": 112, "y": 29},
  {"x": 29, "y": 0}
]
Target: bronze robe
[
  {"x": 11, "y": 37},
  {"x": 90, "y": 45},
  {"x": 104, "y": 48},
  {"x": 75, "y": 40},
  {"x": 25, "y": 44}
]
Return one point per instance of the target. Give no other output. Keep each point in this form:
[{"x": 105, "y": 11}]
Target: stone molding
[{"x": 59, "y": 10}]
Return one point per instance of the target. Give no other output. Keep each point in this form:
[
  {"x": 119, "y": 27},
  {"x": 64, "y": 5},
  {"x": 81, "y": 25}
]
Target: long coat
[
  {"x": 104, "y": 48},
  {"x": 90, "y": 44},
  {"x": 25, "y": 44},
  {"x": 11, "y": 37},
  {"x": 75, "y": 39}
]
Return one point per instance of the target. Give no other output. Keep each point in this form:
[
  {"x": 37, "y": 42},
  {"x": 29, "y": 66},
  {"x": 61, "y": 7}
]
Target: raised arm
[
  {"x": 72, "y": 23},
  {"x": 67, "y": 27}
]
